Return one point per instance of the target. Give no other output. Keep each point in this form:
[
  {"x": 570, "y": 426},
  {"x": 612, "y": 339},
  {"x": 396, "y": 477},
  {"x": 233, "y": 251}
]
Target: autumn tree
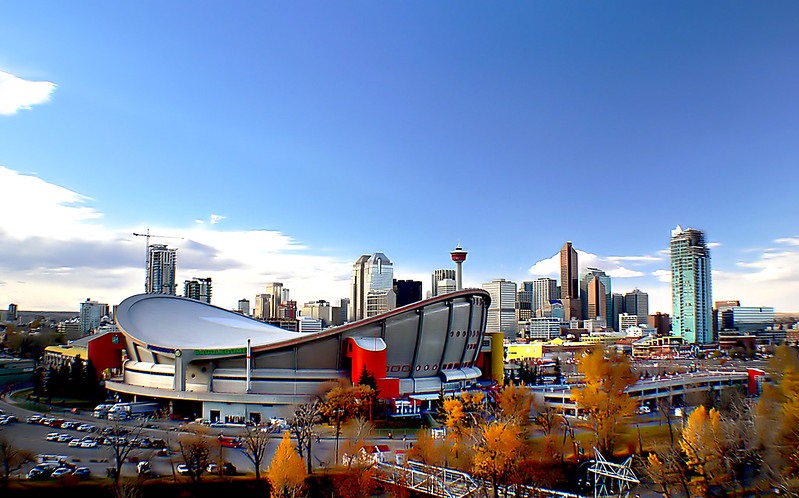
[
  {"x": 515, "y": 405},
  {"x": 428, "y": 450},
  {"x": 603, "y": 395},
  {"x": 702, "y": 443},
  {"x": 120, "y": 444},
  {"x": 546, "y": 416},
  {"x": 255, "y": 443},
  {"x": 778, "y": 419},
  {"x": 196, "y": 452},
  {"x": 497, "y": 447},
  {"x": 301, "y": 425},
  {"x": 287, "y": 470},
  {"x": 342, "y": 403},
  {"x": 12, "y": 458}
]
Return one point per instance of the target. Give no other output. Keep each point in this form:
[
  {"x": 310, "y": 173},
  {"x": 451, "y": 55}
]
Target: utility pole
[{"x": 147, "y": 236}]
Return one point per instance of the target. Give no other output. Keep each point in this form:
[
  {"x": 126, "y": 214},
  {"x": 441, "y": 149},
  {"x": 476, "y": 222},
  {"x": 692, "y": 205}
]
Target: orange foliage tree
[
  {"x": 497, "y": 449},
  {"x": 287, "y": 471},
  {"x": 603, "y": 395}
]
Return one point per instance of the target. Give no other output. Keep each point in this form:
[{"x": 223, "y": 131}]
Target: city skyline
[{"x": 232, "y": 127}]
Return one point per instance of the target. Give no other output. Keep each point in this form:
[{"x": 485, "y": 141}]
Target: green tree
[{"x": 77, "y": 378}]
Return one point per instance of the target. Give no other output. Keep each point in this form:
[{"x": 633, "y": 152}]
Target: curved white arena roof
[{"x": 178, "y": 322}]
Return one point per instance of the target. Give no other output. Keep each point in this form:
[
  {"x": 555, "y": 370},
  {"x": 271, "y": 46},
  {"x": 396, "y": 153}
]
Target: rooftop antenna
[{"x": 147, "y": 236}]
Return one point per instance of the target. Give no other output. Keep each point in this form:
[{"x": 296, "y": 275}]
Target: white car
[
  {"x": 53, "y": 436},
  {"x": 64, "y": 438},
  {"x": 61, "y": 471},
  {"x": 183, "y": 469},
  {"x": 75, "y": 443},
  {"x": 88, "y": 443},
  {"x": 86, "y": 428}
]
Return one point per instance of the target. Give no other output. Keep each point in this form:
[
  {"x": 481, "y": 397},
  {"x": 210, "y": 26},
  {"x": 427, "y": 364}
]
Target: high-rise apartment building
[
  {"x": 603, "y": 308},
  {"x": 371, "y": 274},
  {"x": 502, "y": 310},
  {"x": 438, "y": 276},
  {"x": 692, "y": 317},
  {"x": 569, "y": 283},
  {"x": 243, "y": 307},
  {"x": 544, "y": 291},
  {"x": 91, "y": 312},
  {"x": 524, "y": 302},
  {"x": 637, "y": 303},
  {"x": 161, "y": 263},
  {"x": 198, "y": 289}
]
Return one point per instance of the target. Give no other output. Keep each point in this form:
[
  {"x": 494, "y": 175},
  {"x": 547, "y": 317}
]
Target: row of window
[
  {"x": 458, "y": 333},
  {"x": 428, "y": 367}
]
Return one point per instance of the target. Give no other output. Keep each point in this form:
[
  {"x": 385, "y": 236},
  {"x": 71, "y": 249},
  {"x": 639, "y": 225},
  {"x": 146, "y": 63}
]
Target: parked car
[
  {"x": 86, "y": 428},
  {"x": 61, "y": 471},
  {"x": 75, "y": 443},
  {"x": 33, "y": 419},
  {"x": 182, "y": 469},
  {"x": 89, "y": 443},
  {"x": 40, "y": 472},
  {"x": 64, "y": 438},
  {"x": 83, "y": 472},
  {"x": 53, "y": 436}
]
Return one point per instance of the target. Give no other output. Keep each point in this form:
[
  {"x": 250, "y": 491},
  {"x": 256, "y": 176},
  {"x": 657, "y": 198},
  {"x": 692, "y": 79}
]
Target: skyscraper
[
  {"x": 637, "y": 303},
  {"x": 407, "y": 291},
  {"x": 569, "y": 283},
  {"x": 597, "y": 300},
  {"x": 524, "y": 302},
  {"x": 544, "y": 291},
  {"x": 161, "y": 262},
  {"x": 502, "y": 310},
  {"x": 605, "y": 309},
  {"x": 691, "y": 286},
  {"x": 198, "y": 289},
  {"x": 373, "y": 274},
  {"x": 277, "y": 296},
  {"x": 438, "y": 276}
]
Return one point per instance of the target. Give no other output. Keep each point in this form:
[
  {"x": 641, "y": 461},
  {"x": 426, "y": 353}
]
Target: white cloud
[
  {"x": 17, "y": 93},
  {"x": 612, "y": 265},
  {"x": 791, "y": 241},
  {"x": 55, "y": 252},
  {"x": 216, "y": 218}
]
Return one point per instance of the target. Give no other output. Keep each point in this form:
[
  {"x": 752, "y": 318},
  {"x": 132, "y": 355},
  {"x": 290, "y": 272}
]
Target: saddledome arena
[{"x": 210, "y": 362}]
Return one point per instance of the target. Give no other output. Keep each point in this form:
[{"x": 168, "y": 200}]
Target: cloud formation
[
  {"x": 17, "y": 93},
  {"x": 58, "y": 251}
]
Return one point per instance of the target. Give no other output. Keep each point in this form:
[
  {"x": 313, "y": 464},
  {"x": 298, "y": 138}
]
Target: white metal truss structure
[
  {"x": 435, "y": 481},
  {"x": 612, "y": 479},
  {"x": 448, "y": 483}
]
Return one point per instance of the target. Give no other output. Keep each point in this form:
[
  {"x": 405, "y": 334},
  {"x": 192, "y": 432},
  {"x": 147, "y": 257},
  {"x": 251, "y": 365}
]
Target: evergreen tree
[
  {"x": 76, "y": 378},
  {"x": 92, "y": 382},
  {"x": 52, "y": 383},
  {"x": 63, "y": 376},
  {"x": 558, "y": 372},
  {"x": 38, "y": 382}
]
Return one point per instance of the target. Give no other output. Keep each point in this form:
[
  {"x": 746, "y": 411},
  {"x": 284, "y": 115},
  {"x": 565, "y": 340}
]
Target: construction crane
[{"x": 147, "y": 236}]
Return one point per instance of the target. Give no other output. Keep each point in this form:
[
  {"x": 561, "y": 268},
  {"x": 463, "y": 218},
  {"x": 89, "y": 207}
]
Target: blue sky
[{"x": 282, "y": 140}]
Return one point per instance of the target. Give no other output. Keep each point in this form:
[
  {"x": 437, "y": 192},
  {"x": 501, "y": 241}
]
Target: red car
[{"x": 230, "y": 442}]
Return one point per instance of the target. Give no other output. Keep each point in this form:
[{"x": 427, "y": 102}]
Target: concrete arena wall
[{"x": 426, "y": 342}]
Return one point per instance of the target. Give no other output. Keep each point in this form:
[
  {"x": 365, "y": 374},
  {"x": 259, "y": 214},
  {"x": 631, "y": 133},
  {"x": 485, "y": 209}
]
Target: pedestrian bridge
[{"x": 448, "y": 483}]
